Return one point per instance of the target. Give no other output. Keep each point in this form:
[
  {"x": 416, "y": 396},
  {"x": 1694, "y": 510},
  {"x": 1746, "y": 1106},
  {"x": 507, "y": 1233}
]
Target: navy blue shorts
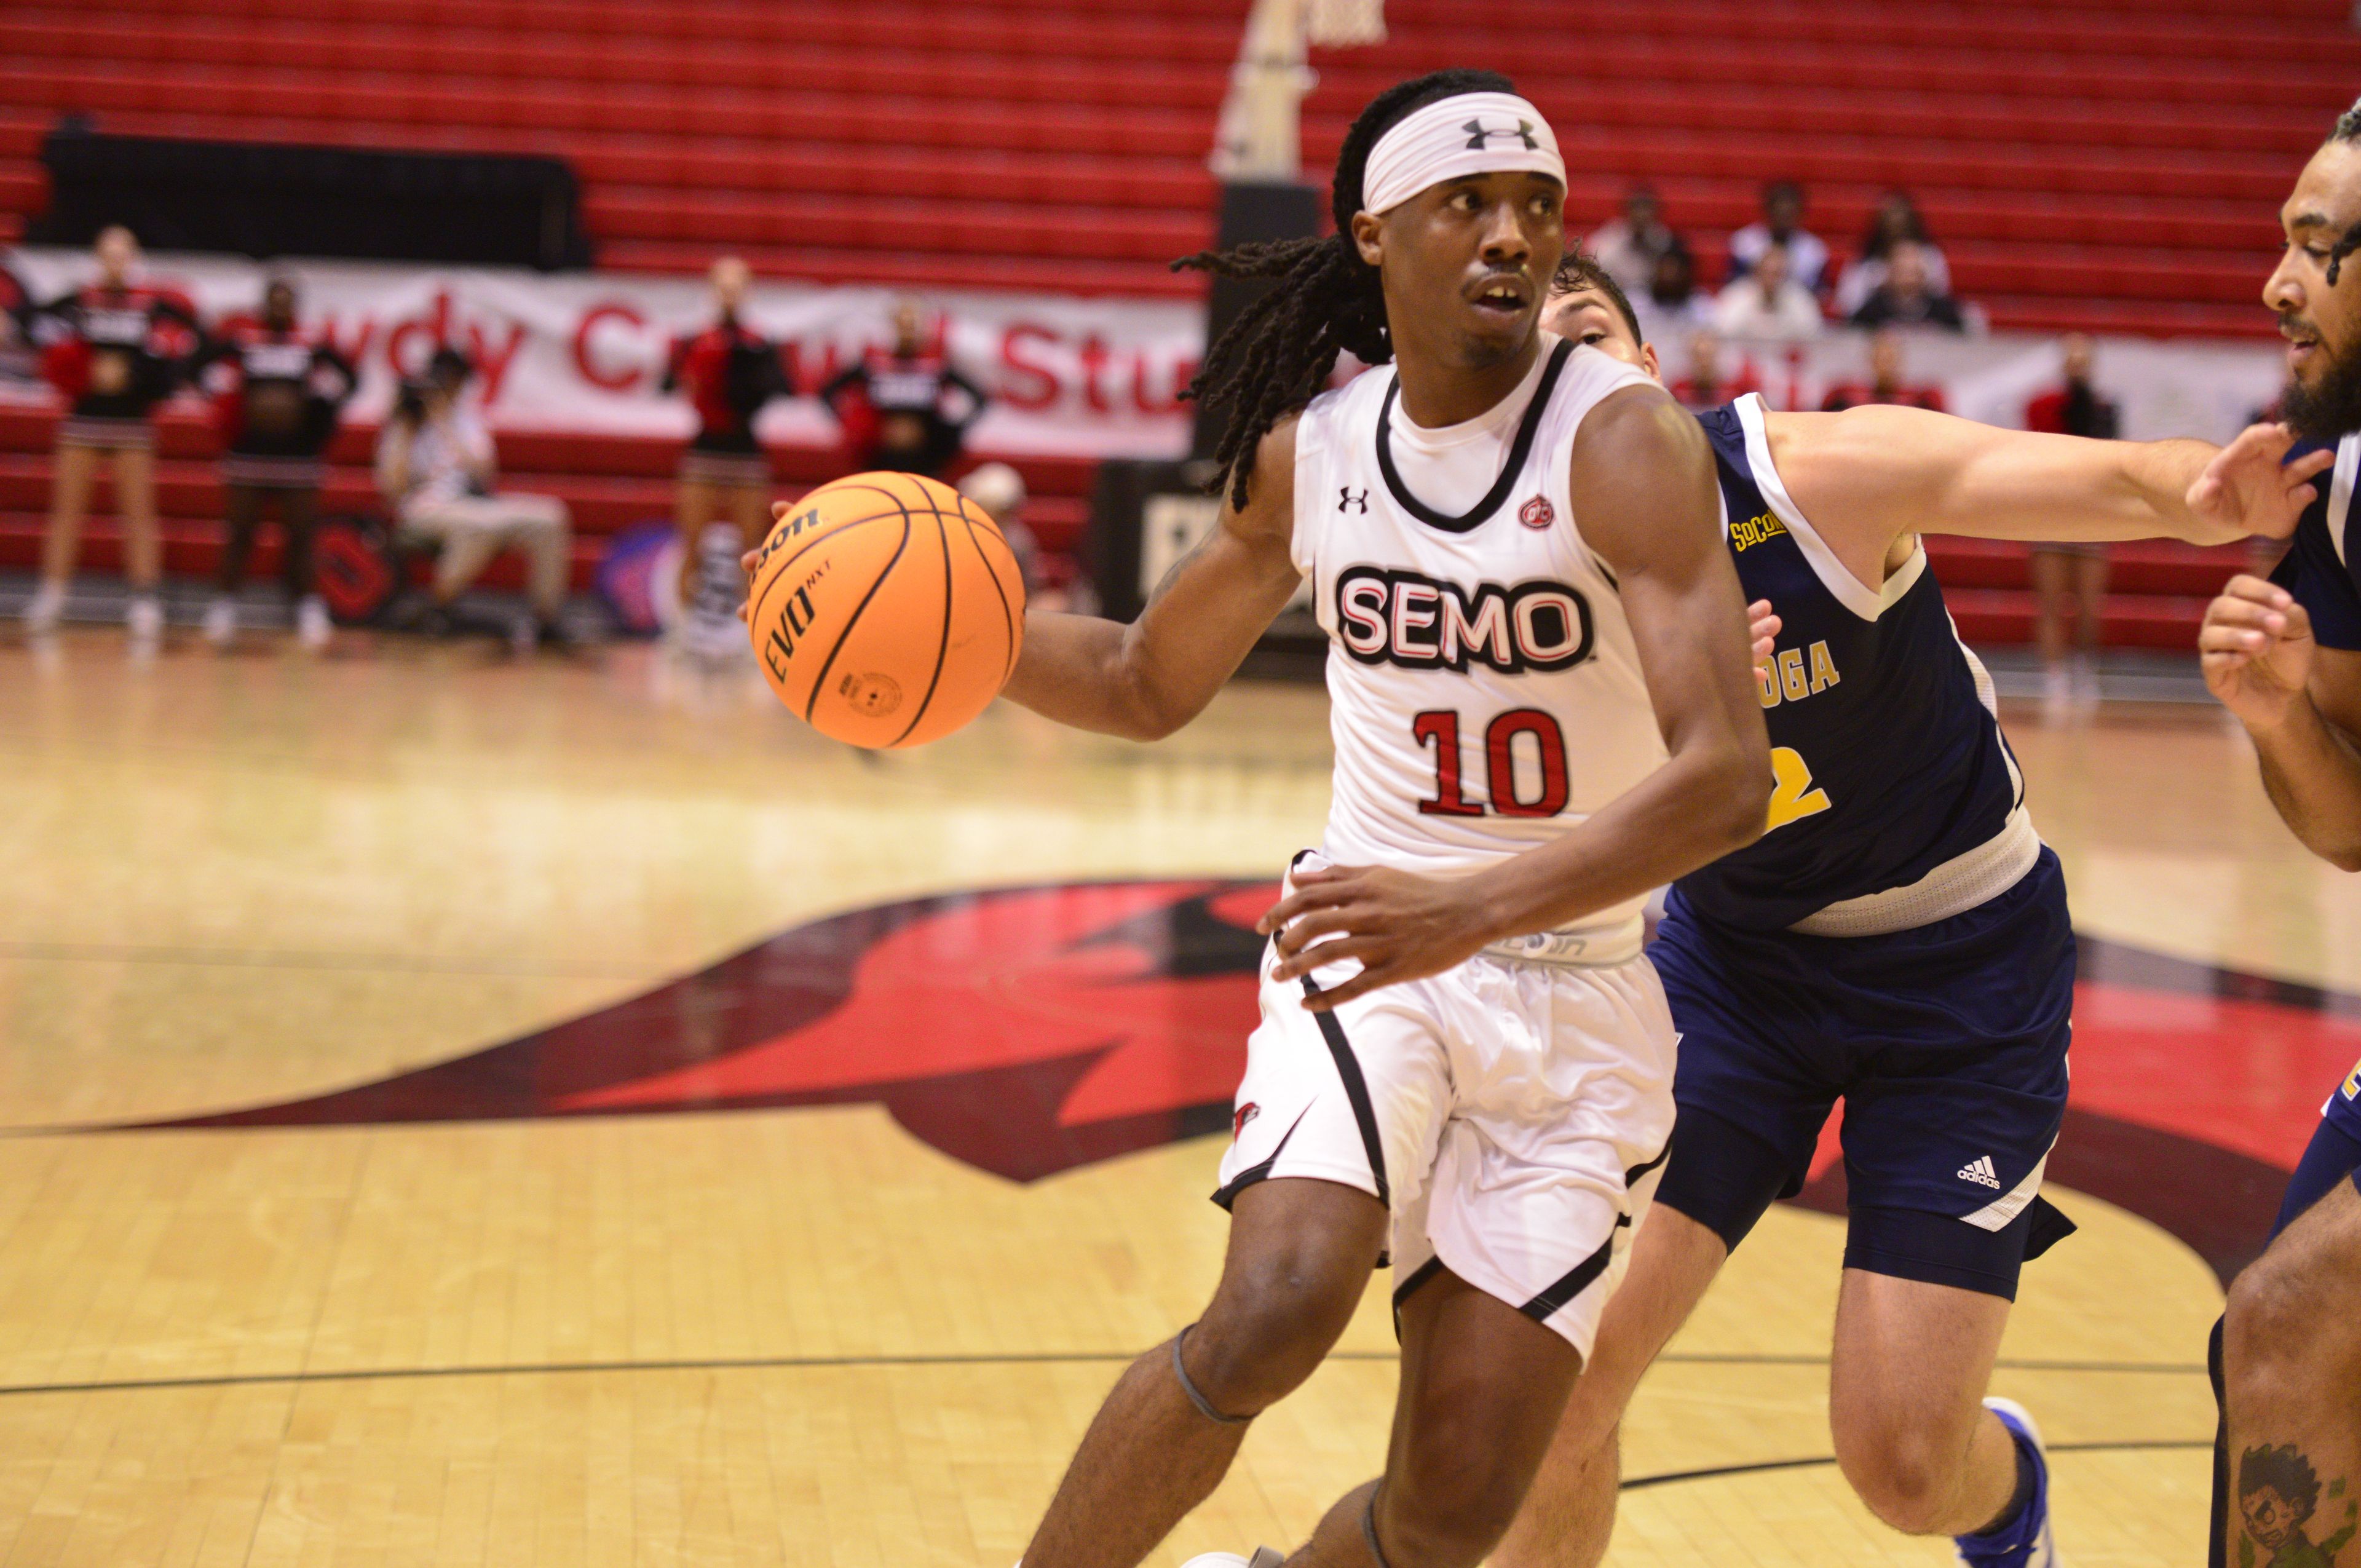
[
  {"x": 2333, "y": 1156},
  {"x": 1948, "y": 1045}
]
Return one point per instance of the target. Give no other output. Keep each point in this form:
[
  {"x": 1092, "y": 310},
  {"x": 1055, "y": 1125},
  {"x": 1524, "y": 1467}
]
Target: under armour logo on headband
[
  {"x": 1477, "y": 134},
  {"x": 1456, "y": 137}
]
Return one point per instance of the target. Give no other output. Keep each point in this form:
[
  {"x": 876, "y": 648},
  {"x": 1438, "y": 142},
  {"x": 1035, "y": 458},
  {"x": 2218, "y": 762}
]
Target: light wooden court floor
[{"x": 795, "y": 1336}]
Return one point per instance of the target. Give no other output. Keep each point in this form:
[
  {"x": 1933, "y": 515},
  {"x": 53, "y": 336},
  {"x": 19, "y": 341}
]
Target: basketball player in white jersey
[{"x": 1543, "y": 707}]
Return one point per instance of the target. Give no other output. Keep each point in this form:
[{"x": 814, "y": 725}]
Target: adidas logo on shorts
[{"x": 1979, "y": 1172}]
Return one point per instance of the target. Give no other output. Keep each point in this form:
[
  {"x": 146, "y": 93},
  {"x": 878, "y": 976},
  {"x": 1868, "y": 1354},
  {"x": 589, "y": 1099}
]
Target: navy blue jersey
[
  {"x": 2320, "y": 568},
  {"x": 1892, "y": 771}
]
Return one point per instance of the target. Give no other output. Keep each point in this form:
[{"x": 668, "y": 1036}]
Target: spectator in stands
[
  {"x": 280, "y": 392},
  {"x": 2075, "y": 572},
  {"x": 1631, "y": 244},
  {"x": 908, "y": 408},
  {"x": 999, "y": 489},
  {"x": 1908, "y": 296},
  {"x": 1767, "y": 302},
  {"x": 1782, "y": 224},
  {"x": 1706, "y": 386},
  {"x": 1885, "y": 383},
  {"x": 729, "y": 371},
  {"x": 1672, "y": 306},
  {"x": 1894, "y": 221},
  {"x": 436, "y": 467},
  {"x": 118, "y": 349}
]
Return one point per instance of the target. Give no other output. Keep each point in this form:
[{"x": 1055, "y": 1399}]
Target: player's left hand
[
  {"x": 2251, "y": 488},
  {"x": 1399, "y": 925}
]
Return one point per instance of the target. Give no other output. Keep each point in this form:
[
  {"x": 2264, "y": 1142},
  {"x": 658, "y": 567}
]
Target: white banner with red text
[{"x": 1067, "y": 376}]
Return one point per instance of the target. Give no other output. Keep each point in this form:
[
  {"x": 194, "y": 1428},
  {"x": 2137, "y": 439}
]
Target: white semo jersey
[{"x": 1485, "y": 693}]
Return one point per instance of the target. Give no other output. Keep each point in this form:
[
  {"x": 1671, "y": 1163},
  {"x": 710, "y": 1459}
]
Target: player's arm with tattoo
[
  {"x": 2300, "y": 702},
  {"x": 1145, "y": 680},
  {"x": 1874, "y": 474},
  {"x": 1645, "y": 498}
]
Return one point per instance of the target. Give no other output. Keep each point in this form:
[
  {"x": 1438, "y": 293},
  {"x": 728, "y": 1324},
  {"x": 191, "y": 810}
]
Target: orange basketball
[{"x": 886, "y": 610}]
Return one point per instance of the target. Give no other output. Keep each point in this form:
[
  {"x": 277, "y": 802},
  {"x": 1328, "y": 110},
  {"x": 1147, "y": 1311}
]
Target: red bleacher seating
[{"x": 2106, "y": 164}]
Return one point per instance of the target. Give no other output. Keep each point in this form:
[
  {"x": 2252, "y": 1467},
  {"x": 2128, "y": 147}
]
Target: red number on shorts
[{"x": 1439, "y": 728}]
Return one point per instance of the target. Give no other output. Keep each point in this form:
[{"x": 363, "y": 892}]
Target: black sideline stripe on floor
[{"x": 797, "y": 1363}]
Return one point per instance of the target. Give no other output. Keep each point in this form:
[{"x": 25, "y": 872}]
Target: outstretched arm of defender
[
  {"x": 1869, "y": 475},
  {"x": 1644, "y": 497},
  {"x": 2303, "y": 704},
  {"x": 1145, "y": 680}
]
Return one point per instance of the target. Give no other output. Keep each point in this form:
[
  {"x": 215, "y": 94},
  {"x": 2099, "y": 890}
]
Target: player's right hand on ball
[{"x": 2256, "y": 646}]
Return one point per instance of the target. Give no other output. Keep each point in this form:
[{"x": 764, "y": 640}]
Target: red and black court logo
[
  {"x": 1030, "y": 1030},
  {"x": 1537, "y": 513}
]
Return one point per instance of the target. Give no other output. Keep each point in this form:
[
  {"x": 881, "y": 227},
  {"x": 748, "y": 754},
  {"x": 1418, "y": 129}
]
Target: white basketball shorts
[{"x": 1512, "y": 1116}]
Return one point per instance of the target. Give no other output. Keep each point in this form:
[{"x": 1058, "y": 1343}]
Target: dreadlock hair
[
  {"x": 2349, "y": 129},
  {"x": 1581, "y": 270},
  {"x": 1279, "y": 353}
]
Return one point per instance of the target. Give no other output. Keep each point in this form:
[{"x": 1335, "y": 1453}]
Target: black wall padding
[{"x": 264, "y": 199}]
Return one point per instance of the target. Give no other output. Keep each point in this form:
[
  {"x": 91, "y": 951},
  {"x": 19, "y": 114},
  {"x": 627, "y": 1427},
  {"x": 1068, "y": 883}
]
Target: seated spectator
[
  {"x": 1705, "y": 386},
  {"x": 1767, "y": 302},
  {"x": 999, "y": 489},
  {"x": 436, "y": 468},
  {"x": 1782, "y": 224},
  {"x": 1672, "y": 306},
  {"x": 1631, "y": 245},
  {"x": 1907, "y": 297},
  {"x": 1895, "y": 221},
  {"x": 2070, "y": 576},
  {"x": 1885, "y": 384}
]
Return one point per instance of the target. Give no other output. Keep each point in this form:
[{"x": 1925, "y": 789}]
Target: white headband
[{"x": 1475, "y": 133}]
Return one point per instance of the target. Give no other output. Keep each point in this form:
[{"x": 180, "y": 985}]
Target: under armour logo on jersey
[
  {"x": 1346, "y": 497},
  {"x": 1478, "y": 133},
  {"x": 1979, "y": 1172}
]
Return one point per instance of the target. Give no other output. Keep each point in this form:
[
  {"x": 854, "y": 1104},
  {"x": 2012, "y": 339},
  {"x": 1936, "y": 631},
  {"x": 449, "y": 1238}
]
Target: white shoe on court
[
  {"x": 2025, "y": 1541},
  {"x": 221, "y": 623},
  {"x": 46, "y": 608},
  {"x": 313, "y": 627},
  {"x": 145, "y": 616},
  {"x": 1264, "y": 1557}
]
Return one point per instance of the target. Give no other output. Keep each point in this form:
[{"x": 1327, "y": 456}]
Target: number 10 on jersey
[{"x": 1439, "y": 729}]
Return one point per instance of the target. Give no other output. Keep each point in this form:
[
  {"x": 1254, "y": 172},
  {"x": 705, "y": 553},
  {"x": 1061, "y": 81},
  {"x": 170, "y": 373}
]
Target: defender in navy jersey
[
  {"x": 1898, "y": 937},
  {"x": 2285, "y": 657}
]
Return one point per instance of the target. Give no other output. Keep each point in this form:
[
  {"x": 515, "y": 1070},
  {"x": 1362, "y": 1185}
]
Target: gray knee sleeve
[
  {"x": 1369, "y": 1528},
  {"x": 1204, "y": 1406}
]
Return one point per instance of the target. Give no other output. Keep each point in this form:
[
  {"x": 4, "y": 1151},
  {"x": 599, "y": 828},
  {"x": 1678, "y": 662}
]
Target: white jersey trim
[
  {"x": 2340, "y": 494},
  {"x": 1852, "y": 593},
  {"x": 1958, "y": 886}
]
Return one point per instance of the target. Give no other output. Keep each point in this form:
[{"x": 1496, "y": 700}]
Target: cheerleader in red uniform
[
  {"x": 729, "y": 371},
  {"x": 279, "y": 391},
  {"x": 119, "y": 349}
]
